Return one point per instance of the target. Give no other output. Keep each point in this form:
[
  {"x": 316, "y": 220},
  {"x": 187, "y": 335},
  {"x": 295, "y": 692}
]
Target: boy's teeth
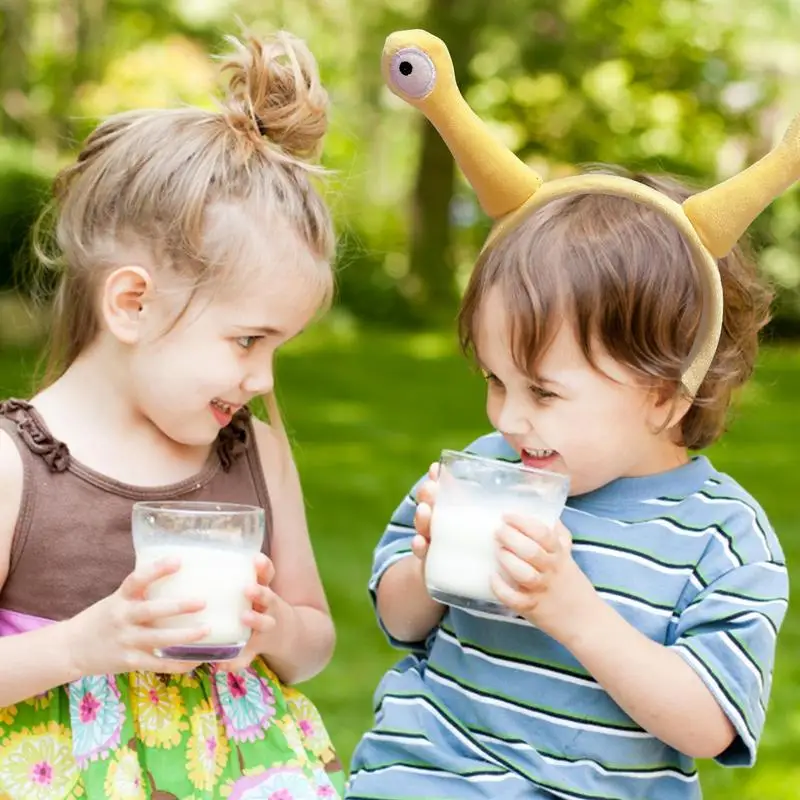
[{"x": 539, "y": 453}]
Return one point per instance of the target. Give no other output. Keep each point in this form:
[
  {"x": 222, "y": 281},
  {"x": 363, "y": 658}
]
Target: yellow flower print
[
  {"x": 289, "y": 728},
  {"x": 37, "y": 764},
  {"x": 207, "y": 748},
  {"x": 315, "y": 736},
  {"x": 124, "y": 780},
  {"x": 157, "y": 710},
  {"x": 267, "y": 672},
  {"x": 7, "y": 715},
  {"x": 188, "y": 681},
  {"x": 40, "y": 701}
]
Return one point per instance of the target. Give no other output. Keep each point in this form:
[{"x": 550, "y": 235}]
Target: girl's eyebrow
[{"x": 263, "y": 330}]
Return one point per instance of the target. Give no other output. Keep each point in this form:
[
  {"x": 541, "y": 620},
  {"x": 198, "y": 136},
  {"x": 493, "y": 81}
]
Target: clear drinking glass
[
  {"x": 473, "y": 495},
  {"x": 216, "y": 544}
]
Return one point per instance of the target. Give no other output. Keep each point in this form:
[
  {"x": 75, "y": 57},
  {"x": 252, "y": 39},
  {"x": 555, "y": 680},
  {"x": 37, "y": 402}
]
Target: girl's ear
[{"x": 127, "y": 293}]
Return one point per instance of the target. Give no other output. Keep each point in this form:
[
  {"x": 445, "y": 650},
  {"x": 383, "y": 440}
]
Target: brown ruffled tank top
[{"x": 72, "y": 544}]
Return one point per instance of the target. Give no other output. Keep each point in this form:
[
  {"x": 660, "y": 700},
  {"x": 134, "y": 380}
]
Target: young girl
[
  {"x": 645, "y": 625},
  {"x": 193, "y": 245}
]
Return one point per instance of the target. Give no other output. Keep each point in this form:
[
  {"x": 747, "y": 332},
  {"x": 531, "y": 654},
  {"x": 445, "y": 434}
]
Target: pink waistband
[{"x": 12, "y": 622}]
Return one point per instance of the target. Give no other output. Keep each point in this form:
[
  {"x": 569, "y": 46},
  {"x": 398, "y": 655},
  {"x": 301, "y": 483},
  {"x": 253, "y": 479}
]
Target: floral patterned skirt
[{"x": 145, "y": 736}]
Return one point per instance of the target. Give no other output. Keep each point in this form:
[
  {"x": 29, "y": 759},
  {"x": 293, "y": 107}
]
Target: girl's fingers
[
  {"x": 148, "y": 612},
  {"x": 136, "y": 584}
]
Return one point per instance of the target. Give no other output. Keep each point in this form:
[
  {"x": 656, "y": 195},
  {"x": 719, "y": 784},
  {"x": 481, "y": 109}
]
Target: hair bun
[{"x": 275, "y": 92}]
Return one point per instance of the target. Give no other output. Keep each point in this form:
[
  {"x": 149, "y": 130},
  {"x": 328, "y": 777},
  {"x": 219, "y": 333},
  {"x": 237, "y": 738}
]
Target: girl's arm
[
  {"x": 32, "y": 662},
  {"x": 304, "y": 635}
]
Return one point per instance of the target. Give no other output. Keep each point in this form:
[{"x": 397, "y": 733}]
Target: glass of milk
[
  {"x": 216, "y": 544},
  {"x": 473, "y": 495}
]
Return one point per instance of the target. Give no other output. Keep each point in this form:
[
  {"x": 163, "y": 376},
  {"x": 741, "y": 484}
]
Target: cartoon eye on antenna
[{"x": 413, "y": 73}]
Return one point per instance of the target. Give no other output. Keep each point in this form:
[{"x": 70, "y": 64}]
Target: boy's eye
[
  {"x": 492, "y": 380},
  {"x": 542, "y": 394},
  {"x": 246, "y": 342}
]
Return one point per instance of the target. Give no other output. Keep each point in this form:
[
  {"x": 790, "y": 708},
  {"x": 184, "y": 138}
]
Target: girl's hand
[
  {"x": 422, "y": 518},
  {"x": 261, "y": 619},
  {"x": 117, "y": 634}
]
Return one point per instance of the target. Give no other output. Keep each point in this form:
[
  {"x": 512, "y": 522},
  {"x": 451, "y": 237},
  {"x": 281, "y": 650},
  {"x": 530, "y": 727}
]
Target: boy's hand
[
  {"x": 540, "y": 580},
  {"x": 426, "y": 498}
]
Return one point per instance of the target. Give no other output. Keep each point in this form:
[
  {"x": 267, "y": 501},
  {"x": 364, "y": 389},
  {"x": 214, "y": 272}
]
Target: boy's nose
[{"x": 513, "y": 420}]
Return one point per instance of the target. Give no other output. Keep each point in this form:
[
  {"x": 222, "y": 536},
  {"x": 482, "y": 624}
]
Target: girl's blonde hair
[
  {"x": 153, "y": 178},
  {"x": 622, "y": 275}
]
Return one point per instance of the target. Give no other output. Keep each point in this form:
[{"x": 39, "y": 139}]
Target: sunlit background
[{"x": 694, "y": 87}]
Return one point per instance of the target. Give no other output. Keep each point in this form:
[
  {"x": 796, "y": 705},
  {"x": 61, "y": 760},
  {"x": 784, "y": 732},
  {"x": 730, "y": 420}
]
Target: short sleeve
[
  {"x": 394, "y": 545},
  {"x": 727, "y": 634}
]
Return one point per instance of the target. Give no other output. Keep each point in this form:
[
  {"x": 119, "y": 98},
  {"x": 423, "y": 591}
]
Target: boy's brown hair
[{"x": 623, "y": 275}]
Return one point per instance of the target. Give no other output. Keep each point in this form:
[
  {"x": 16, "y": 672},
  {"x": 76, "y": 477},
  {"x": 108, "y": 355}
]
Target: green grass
[{"x": 370, "y": 412}]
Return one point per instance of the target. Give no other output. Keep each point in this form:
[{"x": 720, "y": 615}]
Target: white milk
[
  {"x": 463, "y": 553},
  {"x": 215, "y": 575}
]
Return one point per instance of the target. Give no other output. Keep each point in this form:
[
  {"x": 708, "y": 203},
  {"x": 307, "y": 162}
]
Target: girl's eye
[
  {"x": 492, "y": 380},
  {"x": 247, "y": 342}
]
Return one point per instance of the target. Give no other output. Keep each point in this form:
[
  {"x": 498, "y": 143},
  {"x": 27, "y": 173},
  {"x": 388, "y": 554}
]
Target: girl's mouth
[{"x": 223, "y": 412}]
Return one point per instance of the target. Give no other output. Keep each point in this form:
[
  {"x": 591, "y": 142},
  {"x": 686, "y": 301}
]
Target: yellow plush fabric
[
  {"x": 417, "y": 67},
  {"x": 722, "y": 214}
]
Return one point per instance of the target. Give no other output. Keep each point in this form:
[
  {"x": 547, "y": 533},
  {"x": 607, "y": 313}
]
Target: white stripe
[
  {"x": 403, "y": 530},
  {"x": 444, "y": 722},
  {"x": 469, "y": 778},
  {"x": 585, "y": 762},
  {"x": 612, "y": 598},
  {"x": 582, "y": 725},
  {"x": 523, "y": 667},
  {"x": 704, "y": 498},
  {"x": 397, "y": 737},
  {"x": 733, "y": 713},
  {"x": 744, "y": 659},
  {"x": 747, "y": 602},
  {"x": 503, "y": 776},
  {"x": 634, "y": 603},
  {"x": 756, "y": 522},
  {"x": 666, "y": 569},
  {"x": 664, "y": 523},
  {"x": 381, "y": 571}
]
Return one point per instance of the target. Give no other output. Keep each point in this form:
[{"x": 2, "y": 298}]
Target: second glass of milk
[
  {"x": 216, "y": 544},
  {"x": 473, "y": 495}
]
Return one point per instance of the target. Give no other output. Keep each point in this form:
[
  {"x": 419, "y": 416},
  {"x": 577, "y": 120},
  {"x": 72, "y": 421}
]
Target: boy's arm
[
  {"x": 705, "y": 691},
  {"x": 705, "y": 694},
  {"x": 405, "y": 610}
]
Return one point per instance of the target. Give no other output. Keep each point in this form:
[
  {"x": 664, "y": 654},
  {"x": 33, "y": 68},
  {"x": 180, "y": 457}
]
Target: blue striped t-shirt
[{"x": 490, "y": 707}]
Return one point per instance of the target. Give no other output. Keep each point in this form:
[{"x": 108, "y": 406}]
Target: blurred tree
[
  {"x": 14, "y": 28},
  {"x": 681, "y": 85}
]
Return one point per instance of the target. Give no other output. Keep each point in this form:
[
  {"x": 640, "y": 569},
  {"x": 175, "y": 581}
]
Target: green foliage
[
  {"x": 683, "y": 86},
  {"x": 24, "y": 187}
]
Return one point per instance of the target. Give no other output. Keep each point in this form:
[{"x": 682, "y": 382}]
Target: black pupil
[{"x": 406, "y": 68}]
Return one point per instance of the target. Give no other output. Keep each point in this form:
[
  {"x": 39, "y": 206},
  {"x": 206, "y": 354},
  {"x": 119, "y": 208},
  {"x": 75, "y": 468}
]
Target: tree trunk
[
  {"x": 14, "y": 27},
  {"x": 432, "y": 263}
]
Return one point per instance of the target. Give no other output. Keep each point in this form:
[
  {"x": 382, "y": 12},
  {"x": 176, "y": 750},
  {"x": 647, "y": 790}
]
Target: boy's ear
[{"x": 668, "y": 406}]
